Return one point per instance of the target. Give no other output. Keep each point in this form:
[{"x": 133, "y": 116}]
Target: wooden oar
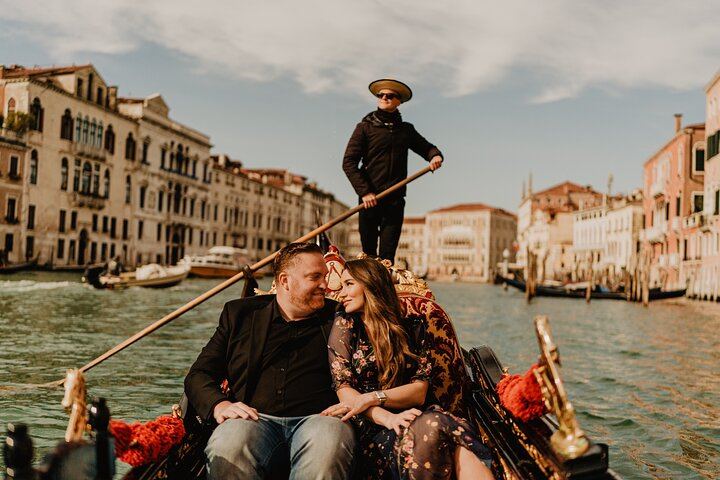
[{"x": 219, "y": 288}]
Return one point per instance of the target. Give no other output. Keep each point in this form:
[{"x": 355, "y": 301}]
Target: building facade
[
  {"x": 466, "y": 241},
  {"x": 673, "y": 180},
  {"x": 103, "y": 176}
]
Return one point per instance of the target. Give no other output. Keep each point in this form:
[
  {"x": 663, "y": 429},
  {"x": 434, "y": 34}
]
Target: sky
[{"x": 562, "y": 90}]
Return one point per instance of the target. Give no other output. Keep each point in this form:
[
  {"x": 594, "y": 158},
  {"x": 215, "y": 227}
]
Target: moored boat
[
  {"x": 151, "y": 275},
  {"x": 580, "y": 290},
  {"x": 220, "y": 262},
  {"x": 17, "y": 267}
]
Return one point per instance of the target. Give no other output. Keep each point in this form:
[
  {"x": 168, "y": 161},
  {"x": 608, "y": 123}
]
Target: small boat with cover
[
  {"x": 220, "y": 262},
  {"x": 151, "y": 275}
]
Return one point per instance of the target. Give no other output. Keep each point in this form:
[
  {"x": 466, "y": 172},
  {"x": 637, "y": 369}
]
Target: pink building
[
  {"x": 673, "y": 193},
  {"x": 705, "y": 283}
]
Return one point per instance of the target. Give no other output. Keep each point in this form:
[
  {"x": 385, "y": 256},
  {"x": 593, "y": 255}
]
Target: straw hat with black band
[{"x": 396, "y": 86}]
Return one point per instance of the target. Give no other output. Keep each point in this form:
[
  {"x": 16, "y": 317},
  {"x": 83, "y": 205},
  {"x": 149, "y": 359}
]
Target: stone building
[
  {"x": 12, "y": 184},
  {"x": 545, "y": 226},
  {"x": 607, "y": 236},
  {"x": 104, "y": 176},
  {"x": 412, "y": 252},
  {"x": 466, "y": 241}
]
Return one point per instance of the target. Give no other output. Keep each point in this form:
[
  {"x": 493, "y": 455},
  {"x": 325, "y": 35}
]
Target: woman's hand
[
  {"x": 355, "y": 405},
  {"x": 403, "y": 419},
  {"x": 337, "y": 410}
]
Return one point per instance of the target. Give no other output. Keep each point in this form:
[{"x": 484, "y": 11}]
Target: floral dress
[{"x": 426, "y": 449}]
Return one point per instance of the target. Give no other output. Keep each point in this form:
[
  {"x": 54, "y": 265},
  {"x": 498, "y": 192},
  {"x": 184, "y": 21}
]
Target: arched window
[
  {"x": 106, "y": 184},
  {"x": 66, "y": 125},
  {"x": 130, "y": 147},
  {"x": 99, "y": 137},
  {"x": 110, "y": 140},
  {"x": 96, "y": 180},
  {"x": 93, "y": 127},
  {"x": 128, "y": 189},
  {"x": 76, "y": 175},
  {"x": 37, "y": 115},
  {"x": 86, "y": 127},
  {"x": 179, "y": 159},
  {"x": 64, "y": 174},
  {"x": 33, "y": 167},
  {"x": 11, "y": 106},
  {"x": 99, "y": 97},
  {"x": 78, "y": 128},
  {"x": 86, "y": 178}
]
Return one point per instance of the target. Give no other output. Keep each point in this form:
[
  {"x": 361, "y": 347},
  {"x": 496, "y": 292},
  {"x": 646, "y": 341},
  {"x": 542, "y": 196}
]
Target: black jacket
[
  {"x": 235, "y": 351},
  {"x": 380, "y": 143}
]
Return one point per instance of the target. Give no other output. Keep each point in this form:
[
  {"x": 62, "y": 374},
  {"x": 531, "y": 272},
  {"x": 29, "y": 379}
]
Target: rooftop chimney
[{"x": 678, "y": 122}]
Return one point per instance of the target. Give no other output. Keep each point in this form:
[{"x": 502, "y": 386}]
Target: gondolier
[{"x": 376, "y": 157}]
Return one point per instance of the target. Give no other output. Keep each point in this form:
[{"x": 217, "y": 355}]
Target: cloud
[{"x": 561, "y": 47}]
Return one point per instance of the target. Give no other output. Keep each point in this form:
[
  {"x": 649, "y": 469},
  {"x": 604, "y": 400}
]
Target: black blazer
[{"x": 235, "y": 351}]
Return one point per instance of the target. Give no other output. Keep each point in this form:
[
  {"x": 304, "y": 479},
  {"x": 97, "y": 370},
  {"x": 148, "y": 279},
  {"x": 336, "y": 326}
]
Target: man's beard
[{"x": 310, "y": 303}]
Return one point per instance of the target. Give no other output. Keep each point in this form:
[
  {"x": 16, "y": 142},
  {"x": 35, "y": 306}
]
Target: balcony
[
  {"x": 657, "y": 189},
  {"x": 88, "y": 151},
  {"x": 89, "y": 200},
  {"x": 675, "y": 224},
  {"x": 654, "y": 234},
  {"x": 697, "y": 219},
  {"x": 673, "y": 260}
]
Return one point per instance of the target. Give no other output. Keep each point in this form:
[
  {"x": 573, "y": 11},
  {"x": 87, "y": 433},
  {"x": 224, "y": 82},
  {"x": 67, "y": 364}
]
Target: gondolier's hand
[
  {"x": 436, "y": 162},
  {"x": 403, "y": 419},
  {"x": 226, "y": 410},
  {"x": 369, "y": 200}
]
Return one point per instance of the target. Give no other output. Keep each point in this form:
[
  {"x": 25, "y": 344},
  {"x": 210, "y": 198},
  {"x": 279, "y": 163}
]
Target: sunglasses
[{"x": 389, "y": 96}]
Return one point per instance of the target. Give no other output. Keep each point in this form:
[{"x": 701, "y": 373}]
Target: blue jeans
[{"x": 315, "y": 447}]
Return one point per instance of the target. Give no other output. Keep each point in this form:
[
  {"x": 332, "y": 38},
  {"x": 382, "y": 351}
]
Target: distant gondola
[
  {"x": 151, "y": 275},
  {"x": 17, "y": 267},
  {"x": 600, "y": 294}
]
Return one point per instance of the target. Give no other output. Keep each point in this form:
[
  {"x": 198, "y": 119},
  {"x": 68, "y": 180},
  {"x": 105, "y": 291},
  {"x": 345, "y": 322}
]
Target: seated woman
[{"x": 381, "y": 372}]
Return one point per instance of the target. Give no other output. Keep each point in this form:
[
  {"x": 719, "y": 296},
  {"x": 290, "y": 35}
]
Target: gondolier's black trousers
[{"x": 384, "y": 222}]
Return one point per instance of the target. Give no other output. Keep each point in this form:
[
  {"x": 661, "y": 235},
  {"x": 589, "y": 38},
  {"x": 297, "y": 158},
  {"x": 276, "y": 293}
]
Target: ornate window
[
  {"x": 64, "y": 174},
  {"x": 130, "y": 147},
  {"x": 128, "y": 190},
  {"x": 99, "y": 137},
  {"x": 85, "y": 128},
  {"x": 106, "y": 184},
  {"x": 86, "y": 177},
  {"x": 66, "y": 125},
  {"x": 37, "y": 115},
  {"x": 11, "y": 106},
  {"x": 110, "y": 139},
  {"x": 33, "y": 167},
  {"x": 78, "y": 128}
]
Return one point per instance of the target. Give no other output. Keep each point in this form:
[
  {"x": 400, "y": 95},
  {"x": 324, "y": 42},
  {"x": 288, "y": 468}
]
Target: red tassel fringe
[
  {"x": 521, "y": 395},
  {"x": 141, "y": 443}
]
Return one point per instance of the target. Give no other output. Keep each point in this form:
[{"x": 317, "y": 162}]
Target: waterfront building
[
  {"x": 673, "y": 191},
  {"x": 99, "y": 176},
  {"x": 411, "y": 252},
  {"x": 703, "y": 246},
  {"x": 607, "y": 237},
  {"x": 12, "y": 184},
  {"x": 545, "y": 226},
  {"x": 466, "y": 241}
]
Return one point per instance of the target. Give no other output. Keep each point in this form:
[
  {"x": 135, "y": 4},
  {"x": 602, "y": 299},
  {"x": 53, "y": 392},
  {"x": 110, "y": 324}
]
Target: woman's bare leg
[{"x": 469, "y": 467}]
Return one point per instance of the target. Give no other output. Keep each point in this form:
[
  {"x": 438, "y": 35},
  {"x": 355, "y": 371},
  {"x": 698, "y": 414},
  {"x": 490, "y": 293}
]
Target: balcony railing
[
  {"x": 657, "y": 189},
  {"x": 697, "y": 219},
  {"x": 86, "y": 199},
  {"x": 655, "y": 233},
  {"x": 88, "y": 151}
]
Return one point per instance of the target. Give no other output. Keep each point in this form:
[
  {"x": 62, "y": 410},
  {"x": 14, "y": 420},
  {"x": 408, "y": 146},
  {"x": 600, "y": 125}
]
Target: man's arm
[
  {"x": 355, "y": 153},
  {"x": 426, "y": 150},
  {"x": 202, "y": 384}
]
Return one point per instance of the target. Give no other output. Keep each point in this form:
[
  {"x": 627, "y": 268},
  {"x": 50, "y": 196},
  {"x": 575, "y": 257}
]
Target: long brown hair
[{"x": 382, "y": 317}]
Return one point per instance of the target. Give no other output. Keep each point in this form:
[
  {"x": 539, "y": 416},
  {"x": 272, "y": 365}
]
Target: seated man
[{"x": 273, "y": 351}]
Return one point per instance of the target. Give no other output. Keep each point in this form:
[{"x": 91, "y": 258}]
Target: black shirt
[{"x": 295, "y": 375}]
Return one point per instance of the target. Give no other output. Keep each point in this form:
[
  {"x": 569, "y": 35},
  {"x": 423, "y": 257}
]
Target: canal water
[{"x": 644, "y": 380}]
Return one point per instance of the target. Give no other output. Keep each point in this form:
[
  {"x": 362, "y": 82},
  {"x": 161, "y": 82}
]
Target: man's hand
[
  {"x": 369, "y": 200},
  {"x": 403, "y": 419},
  {"x": 226, "y": 410},
  {"x": 337, "y": 410},
  {"x": 436, "y": 162}
]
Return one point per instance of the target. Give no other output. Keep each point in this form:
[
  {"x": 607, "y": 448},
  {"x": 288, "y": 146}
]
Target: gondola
[
  {"x": 596, "y": 293},
  {"x": 465, "y": 382},
  {"x": 18, "y": 267}
]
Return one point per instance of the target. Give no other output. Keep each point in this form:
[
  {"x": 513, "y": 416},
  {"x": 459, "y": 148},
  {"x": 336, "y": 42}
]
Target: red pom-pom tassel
[
  {"x": 141, "y": 443},
  {"x": 521, "y": 395}
]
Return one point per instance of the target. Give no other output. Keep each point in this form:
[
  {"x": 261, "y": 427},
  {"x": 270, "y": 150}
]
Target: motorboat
[
  {"x": 220, "y": 262},
  {"x": 152, "y": 275}
]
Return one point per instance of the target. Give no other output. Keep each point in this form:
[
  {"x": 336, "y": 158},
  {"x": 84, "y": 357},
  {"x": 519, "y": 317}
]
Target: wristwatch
[{"x": 381, "y": 396}]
